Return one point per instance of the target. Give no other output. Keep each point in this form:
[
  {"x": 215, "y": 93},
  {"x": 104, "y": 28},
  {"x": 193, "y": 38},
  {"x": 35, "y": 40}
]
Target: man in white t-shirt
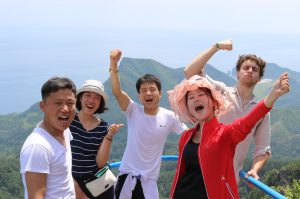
[
  {"x": 46, "y": 153},
  {"x": 148, "y": 128}
]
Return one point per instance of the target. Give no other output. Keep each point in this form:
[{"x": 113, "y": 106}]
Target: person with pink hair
[{"x": 205, "y": 164}]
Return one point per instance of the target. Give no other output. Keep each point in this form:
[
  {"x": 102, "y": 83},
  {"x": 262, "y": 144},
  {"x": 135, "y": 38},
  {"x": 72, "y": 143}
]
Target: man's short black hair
[
  {"x": 148, "y": 78},
  {"x": 57, "y": 83}
]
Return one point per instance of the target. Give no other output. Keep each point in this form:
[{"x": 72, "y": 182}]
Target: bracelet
[
  {"x": 108, "y": 138},
  {"x": 114, "y": 71},
  {"x": 218, "y": 46}
]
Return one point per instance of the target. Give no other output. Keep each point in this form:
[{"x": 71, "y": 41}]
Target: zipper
[
  {"x": 199, "y": 156},
  {"x": 179, "y": 163},
  {"x": 228, "y": 188}
]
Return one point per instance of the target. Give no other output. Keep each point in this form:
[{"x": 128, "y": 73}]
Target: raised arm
[
  {"x": 239, "y": 129},
  {"x": 280, "y": 87},
  {"x": 122, "y": 97},
  {"x": 197, "y": 65}
]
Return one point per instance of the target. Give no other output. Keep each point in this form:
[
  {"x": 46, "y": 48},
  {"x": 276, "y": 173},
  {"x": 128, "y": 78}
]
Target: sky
[{"x": 39, "y": 39}]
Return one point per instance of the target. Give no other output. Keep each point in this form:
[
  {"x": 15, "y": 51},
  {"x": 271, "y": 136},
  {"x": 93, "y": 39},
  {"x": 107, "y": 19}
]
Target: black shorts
[{"x": 137, "y": 193}]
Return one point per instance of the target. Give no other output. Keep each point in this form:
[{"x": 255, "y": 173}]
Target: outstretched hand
[
  {"x": 225, "y": 45},
  {"x": 115, "y": 56},
  {"x": 113, "y": 129}
]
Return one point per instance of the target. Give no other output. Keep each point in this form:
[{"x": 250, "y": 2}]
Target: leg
[{"x": 119, "y": 185}]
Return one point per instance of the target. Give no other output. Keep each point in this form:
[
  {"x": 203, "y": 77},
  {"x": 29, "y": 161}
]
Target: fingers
[
  {"x": 112, "y": 130},
  {"x": 226, "y": 44},
  {"x": 115, "y": 56},
  {"x": 253, "y": 174},
  {"x": 284, "y": 82}
]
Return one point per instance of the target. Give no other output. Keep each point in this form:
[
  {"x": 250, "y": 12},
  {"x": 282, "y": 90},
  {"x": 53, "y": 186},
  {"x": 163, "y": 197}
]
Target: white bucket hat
[{"x": 96, "y": 87}]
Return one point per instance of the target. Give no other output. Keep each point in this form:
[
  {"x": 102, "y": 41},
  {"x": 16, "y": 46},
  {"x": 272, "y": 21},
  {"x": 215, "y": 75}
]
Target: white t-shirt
[
  {"x": 146, "y": 138},
  {"x": 41, "y": 153}
]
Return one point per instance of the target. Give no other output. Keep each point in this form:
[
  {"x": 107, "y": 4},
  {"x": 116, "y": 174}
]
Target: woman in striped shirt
[{"x": 92, "y": 136}]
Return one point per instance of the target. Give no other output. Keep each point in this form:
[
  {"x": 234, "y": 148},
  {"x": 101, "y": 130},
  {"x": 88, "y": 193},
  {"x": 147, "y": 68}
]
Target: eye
[
  {"x": 70, "y": 103},
  {"x": 246, "y": 67},
  {"x": 97, "y": 97},
  {"x": 58, "y": 104},
  {"x": 190, "y": 97},
  {"x": 255, "y": 69}
]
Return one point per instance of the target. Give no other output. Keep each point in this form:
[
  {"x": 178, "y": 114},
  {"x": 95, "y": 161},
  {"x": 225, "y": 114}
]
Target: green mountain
[{"x": 14, "y": 128}]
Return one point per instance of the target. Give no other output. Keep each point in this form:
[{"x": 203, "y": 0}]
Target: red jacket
[{"x": 216, "y": 152}]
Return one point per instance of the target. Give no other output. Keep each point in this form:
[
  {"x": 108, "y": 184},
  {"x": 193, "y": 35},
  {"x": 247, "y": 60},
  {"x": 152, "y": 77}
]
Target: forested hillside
[{"x": 285, "y": 120}]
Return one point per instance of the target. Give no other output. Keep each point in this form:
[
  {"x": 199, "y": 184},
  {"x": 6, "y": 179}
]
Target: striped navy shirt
[{"x": 85, "y": 145}]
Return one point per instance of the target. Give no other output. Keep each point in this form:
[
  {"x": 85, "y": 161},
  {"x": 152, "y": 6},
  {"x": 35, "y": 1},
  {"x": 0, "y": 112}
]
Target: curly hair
[{"x": 259, "y": 62}]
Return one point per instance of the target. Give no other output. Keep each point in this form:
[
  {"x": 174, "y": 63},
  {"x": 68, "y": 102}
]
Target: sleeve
[
  {"x": 130, "y": 108},
  {"x": 241, "y": 127},
  {"x": 178, "y": 127},
  {"x": 35, "y": 158},
  {"x": 219, "y": 86},
  {"x": 69, "y": 134},
  {"x": 262, "y": 137}
]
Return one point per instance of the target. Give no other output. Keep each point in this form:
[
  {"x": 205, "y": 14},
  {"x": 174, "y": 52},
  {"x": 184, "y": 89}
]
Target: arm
[
  {"x": 280, "y": 87},
  {"x": 197, "y": 65},
  {"x": 36, "y": 185},
  {"x": 104, "y": 149},
  {"x": 262, "y": 151},
  {"x": 240, "y": 128},
  {"x": 122, "y": 97},
  {"x": 257, "y": 165}
]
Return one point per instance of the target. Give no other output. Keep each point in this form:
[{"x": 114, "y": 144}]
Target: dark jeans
[{"x": 137, "y": 193}]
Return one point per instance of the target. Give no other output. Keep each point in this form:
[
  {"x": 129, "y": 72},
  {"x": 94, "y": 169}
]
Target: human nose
[{"x": 65, "y": 108}]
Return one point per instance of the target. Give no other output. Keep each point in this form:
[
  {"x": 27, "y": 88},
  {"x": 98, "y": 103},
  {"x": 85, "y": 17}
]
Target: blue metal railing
[
  {"x": 261, "y": 186},
  {"x": 242, "y": 174}
]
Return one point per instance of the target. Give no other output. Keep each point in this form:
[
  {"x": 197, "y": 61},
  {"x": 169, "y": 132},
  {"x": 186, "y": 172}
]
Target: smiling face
[
  {"x": 59, "y": 110},
  {"x": 200, "y": 104},
  {"x": 149, "y": 96},
  {"x": 90, "y": 102}
]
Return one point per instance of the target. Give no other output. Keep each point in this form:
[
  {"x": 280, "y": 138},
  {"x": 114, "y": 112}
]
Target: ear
[
  {"x": 42, "y": 106},
  {"x": 160, "y": 94},
  {"x": 237, "y": 75},
  {"x": 215, "y": 105}
]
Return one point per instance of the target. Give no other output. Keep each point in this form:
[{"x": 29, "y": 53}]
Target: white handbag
[{"x": 101, "y": 181}]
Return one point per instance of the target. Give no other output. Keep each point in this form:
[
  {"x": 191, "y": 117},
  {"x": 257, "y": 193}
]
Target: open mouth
[
  {"x": 199, "y": 108},
  {"x": 89, "y": 106},
  {"x": 148, "y": 100},
  {"x": 63, "y": 118}
]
